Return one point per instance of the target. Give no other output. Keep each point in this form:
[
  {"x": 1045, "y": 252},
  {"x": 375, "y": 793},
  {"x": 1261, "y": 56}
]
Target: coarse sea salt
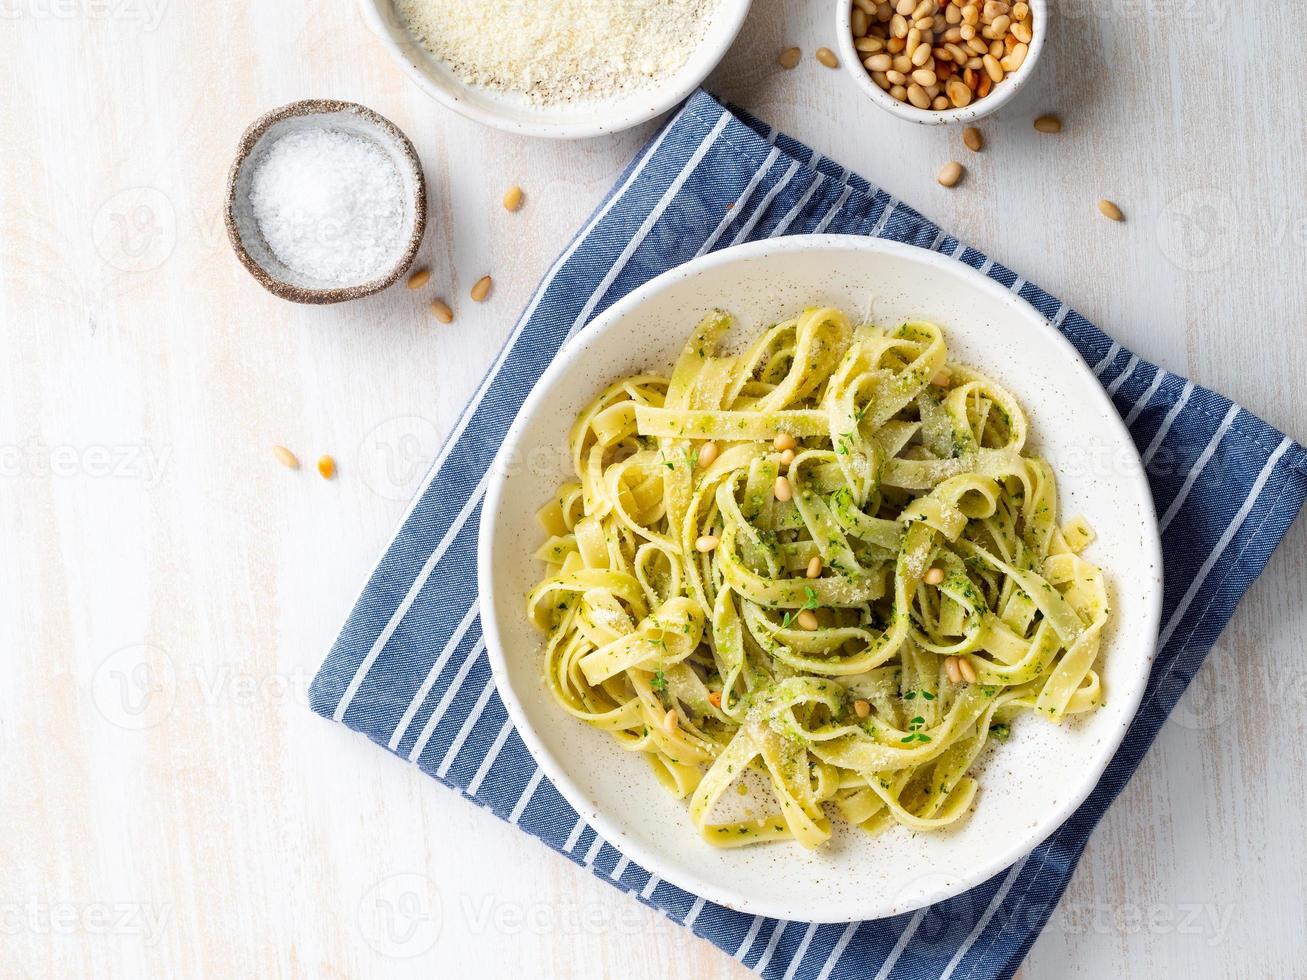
[{"x": 329, "y": 204}]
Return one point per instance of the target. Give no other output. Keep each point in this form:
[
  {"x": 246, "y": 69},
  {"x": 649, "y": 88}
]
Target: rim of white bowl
[
  {"x": 453, "y": 94},
  {"x": 610, "y": 827},
  {"x": 1000, "y": 96}
]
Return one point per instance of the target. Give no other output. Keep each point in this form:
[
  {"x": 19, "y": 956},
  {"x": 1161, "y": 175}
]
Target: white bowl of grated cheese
[{"x": 564, "y": 69}]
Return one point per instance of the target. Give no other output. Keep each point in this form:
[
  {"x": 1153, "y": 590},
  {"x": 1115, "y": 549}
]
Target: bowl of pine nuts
[{"x": 940, "y": 61}]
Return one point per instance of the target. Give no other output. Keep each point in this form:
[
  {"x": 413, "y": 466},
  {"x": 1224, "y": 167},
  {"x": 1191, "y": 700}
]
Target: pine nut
[
  {"x": 513, "y": 198},
  {"x": 933, "y": 576},
  {"x": 975, "y": 64},
  {"x": 1000, "y": 25},
  {"x": 442, "y": 311},
  {"x": 983, "y": 89},
  {"x": 669, "y": 720},
  {"x": 996, "y": 48},
  {"x": 921, "y": 56},
  {"x": 912, "y": 42},
  {"x": 787, "y": 457},
  {"x": 715, "y": 698},
  {"x": 899, "y": 92},
  {"x": 951, "y": 172},
  {"x": 952, "y": 14},
  {"x": 926, "y": 25},
  {"x": 959, "y": 55},
  {"x": 902, "y": 63},
  {"x": 905, "y": 7},
  {"x": 807, "y": 620},
  {"x": 1023, "y": 33},
  {"x": 789, "y": 58},
  {"x": 868, "y": 7},
  {"x": 827, "y": 57},
  {"x": 326, "y": 467},
  {"x": 286, "y": 458},
  {"x": 419, "y": 279},
  {"x": 707, "y": 543},
  {"x": 481, "y": 289},
  {"x": 884, "y": 10},
  {"x": 967, "y": 671},
  {"x": 861, "y": 708},
  {"x": 992, "y": 9},
  {"x": 918, "y": 97},
  {"x": 1020, "y": 11},
  {"x": 898, "y": 26},
  {"x": 1110, "y": 210},
  {"x": 924, "y": 9},
  {"x": 971, "y": 15},
  {"x": 782, "y": 489},
  {"x": 939, "y": 103},
  {"x": 952, "y": 669},
  {"x": 708, "y": 453},
  {"x": 894, "y": 45},
  {"x": 942, "y": 377},
  {"x": 784, "y": 441},
  {"x": 1015, "y": 59},
  {"x": 966, "y": 32},
  {"x": 879, "y": 62},
  {"x": 978, "y": 46},
  {"x": 858, "y": 21},
  {"x": 974, "y": 142},
  {"x": 866, "y": 45},
  {"x": 992, "y": 67},
  {"x": 880, "y": 78},
  {"x": 958, "y": 93},
  {"x": 814, "y": 567},
  {"x": 924, "y": 77},
  {"x": 953, "y": 35},
  {"x": 1048, "y": 124}
]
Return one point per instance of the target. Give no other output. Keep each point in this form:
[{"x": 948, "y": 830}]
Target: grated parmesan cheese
[{"x": 555, "y": 52}]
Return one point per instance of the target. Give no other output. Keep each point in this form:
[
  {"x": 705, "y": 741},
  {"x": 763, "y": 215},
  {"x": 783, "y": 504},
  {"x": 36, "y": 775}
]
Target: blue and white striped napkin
[{"x": 409, "y": 669}]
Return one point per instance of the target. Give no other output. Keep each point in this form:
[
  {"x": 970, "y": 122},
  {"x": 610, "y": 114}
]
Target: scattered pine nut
[
  {"x": 482, "y": 289},
  {"x": 707, "y": 453},
  {"x": 861, "y": 708},
  {"x": 934, "y": 576},
  {"x": 707, "y": 543},
  {"x": 715, "y": 698},
  {"x": 949, "y": 174},
  {"x": 286, "y": 458},
  {"x": 953, "y": 670},
  {"x": 941, "y": 378},
  {"x": 972, "y": 139},
  {"x": 814, "y": 567},
  {"x": 784, "y": 441},
  {"x": 782, "y": 489},
  {"x": 827, "y": 57},
  {"x": 787, "y": 457},
  {"x": 967, "y": 671},
  {"x": 419, "y": 279},
  {"x": 669, "y": 720},
  {"x": 513, "y": 198},
  {"x": 789, "y": 58},
  {"x": 1110, "y": 210},
  {"x": 327, "y": 467},
  {"x": 807, "y": 620},
  {"x": 442, "y": 311},
  {"x": 1048, "y": 124}
]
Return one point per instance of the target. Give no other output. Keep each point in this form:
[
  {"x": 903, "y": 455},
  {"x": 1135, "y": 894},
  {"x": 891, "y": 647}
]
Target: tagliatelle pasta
[{"x": 857, "y": 585}]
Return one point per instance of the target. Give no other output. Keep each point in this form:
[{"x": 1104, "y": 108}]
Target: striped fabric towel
[{"x": 409, "y": 669}]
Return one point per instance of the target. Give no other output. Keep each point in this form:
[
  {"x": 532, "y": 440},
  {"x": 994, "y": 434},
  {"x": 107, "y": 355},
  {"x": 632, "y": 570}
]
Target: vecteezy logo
[
  {"x": 135, "y": 230},
  {"x": 400, "y": 916},
  {"x": 1195, "y": 229},
  {"x": 135, "y": 687},
  {"x": 394, "y": 456}
]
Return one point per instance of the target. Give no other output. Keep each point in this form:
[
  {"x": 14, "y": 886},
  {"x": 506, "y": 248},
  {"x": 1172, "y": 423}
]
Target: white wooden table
[{"x": 216, "y": 826}]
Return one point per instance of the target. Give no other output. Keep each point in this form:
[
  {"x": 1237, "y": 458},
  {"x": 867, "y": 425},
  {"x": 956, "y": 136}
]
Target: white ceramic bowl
[
  {"x": 1030, "y": 785},
  {"x": 516, "y": 115},
  {"x": 1001, "y": 94}
]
